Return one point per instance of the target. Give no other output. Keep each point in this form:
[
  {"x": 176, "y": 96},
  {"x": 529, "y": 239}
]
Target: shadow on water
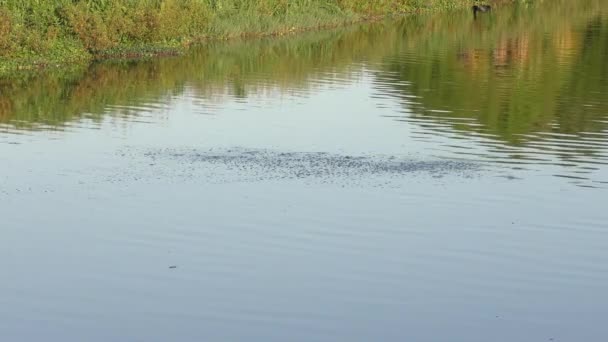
[{"x": 523, "y": 91}]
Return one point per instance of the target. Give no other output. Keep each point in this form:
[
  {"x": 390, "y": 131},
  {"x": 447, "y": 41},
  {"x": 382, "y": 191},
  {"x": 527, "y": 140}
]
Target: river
[{"x": 430, "y": 178}]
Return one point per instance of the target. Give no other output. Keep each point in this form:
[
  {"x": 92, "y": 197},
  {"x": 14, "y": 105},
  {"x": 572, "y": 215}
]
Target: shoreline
[{"x": 81, "y": 57}]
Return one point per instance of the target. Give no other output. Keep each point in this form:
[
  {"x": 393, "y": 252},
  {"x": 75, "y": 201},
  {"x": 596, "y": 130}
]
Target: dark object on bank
[{"x": 481, "y": 8}]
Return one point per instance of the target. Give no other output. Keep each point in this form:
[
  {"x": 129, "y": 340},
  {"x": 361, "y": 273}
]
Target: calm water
[{"x": 436, "y": 178}]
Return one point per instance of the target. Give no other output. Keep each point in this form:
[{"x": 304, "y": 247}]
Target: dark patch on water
[{"x": 238, "y": 164}]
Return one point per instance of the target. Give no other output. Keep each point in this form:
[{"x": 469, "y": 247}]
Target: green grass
[{"x": 42, "y": 33}]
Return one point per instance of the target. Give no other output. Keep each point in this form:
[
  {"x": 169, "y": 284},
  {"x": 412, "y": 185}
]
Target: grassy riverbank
[
  {"x": 524, "y": 65},
  {"x": 36, "y": 33}
]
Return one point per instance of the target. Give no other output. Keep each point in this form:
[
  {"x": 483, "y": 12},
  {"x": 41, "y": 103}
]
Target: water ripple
[{"x": 241, "y": 164}]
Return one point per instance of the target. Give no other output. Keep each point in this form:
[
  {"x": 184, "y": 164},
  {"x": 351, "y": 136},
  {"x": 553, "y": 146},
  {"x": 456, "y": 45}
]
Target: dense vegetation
[
  {"x": 34, "y": 32},
  {"x": 539, "y": 74}
]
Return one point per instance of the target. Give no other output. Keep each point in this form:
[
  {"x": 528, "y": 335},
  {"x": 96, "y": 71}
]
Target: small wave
[{"x": 239, "y": 164}]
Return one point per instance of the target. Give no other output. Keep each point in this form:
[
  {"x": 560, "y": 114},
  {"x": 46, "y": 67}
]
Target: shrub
[{"x": 6, "y": 38}]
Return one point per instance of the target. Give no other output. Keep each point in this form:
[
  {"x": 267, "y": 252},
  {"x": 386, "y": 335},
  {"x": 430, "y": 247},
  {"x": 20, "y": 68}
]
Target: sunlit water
[{"x": 436, "y": 178}]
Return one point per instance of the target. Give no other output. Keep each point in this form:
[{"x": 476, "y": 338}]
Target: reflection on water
[
  {"x": 407, "y": 180},
  {"x": 524, "y": 86},
  {"x": 527, "y": 92}
]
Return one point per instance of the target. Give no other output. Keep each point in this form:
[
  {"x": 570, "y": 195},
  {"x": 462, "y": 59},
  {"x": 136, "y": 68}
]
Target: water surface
[{"x": 435, "y": 178}]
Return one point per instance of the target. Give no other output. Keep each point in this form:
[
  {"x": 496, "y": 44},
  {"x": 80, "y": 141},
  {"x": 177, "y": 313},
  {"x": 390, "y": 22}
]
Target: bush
[
  {"x": 44, "y": 29},
  {"x": 6, "y": 39}
]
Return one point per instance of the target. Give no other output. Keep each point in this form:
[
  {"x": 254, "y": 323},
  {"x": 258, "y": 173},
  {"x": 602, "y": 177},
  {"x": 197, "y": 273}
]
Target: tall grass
[{"x": 43, "y": 31}]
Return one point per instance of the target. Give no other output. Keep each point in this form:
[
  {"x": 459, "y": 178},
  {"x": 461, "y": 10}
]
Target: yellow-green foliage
[
  {"x": 123, "y": 22},
  {"x": 39, "y": 31},
  {"x": 548, "y": 58},
  {"x": 5, "y": 30}
]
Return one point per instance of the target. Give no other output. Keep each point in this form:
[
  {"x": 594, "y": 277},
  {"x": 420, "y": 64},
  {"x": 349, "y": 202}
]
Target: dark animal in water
[{"x": 481, "y": 8}]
